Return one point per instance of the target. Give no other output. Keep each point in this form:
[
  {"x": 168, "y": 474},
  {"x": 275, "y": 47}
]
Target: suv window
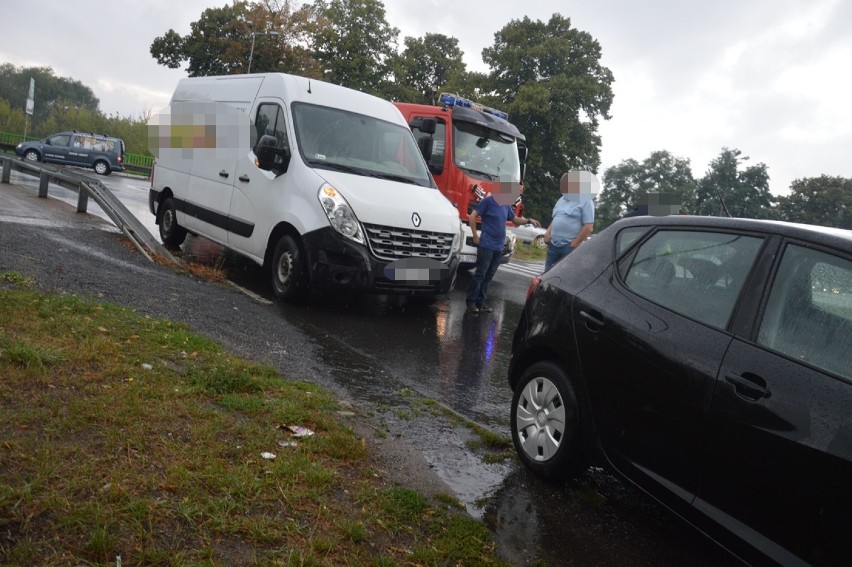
[
  {"x": 697, "y": 274},
  {"x": 96, "y": 143},
  {"x": 809, "y": 312},
  {"x": 59, "y": 140}
]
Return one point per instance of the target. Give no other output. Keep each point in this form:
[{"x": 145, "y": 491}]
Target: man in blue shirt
[
  {"x": 573, "y": 216},
  {"x": 489, "y": 247}
]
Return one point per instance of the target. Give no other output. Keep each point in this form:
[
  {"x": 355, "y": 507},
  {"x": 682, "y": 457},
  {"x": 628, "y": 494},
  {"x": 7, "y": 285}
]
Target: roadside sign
[{"x": 31, "y": 98}]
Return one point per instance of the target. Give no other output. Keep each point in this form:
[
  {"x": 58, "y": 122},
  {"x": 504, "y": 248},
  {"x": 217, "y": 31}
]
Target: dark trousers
[{"x": 487, "y": 262}]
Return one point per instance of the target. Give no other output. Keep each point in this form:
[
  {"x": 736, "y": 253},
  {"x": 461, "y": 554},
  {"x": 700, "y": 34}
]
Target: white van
[{"x": 324, "y": 185}]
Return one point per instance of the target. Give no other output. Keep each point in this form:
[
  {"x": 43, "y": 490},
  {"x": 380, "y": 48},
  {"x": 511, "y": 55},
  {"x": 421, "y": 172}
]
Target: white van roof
[{"x": 242, "y": 90}]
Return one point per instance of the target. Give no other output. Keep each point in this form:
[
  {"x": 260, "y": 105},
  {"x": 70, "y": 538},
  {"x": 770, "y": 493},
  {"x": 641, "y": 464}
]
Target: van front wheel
[{"x": 289, "y": 279}]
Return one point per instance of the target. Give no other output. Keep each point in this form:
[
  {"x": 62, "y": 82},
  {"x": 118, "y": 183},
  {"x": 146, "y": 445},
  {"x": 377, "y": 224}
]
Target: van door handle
[
  {"x": 224, "y": 174},
  {"x": 244, "y": 178}
]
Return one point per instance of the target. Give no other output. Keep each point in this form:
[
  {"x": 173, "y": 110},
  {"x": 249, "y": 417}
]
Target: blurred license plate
[{"x": 467, "y": 258}]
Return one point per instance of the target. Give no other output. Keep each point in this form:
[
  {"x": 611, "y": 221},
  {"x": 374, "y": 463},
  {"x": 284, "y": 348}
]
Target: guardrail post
[
  {"x": 43, "y": 180},
  {"x": 82, "y": 198},
  {"x": 7, "y": 171}
]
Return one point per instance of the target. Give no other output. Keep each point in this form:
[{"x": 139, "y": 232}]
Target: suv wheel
[{"x": 102, "y": 168}]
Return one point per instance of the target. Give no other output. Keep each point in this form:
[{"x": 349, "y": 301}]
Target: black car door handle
[
  {"x": 591, "y": 319},
  {"x": 224, "y": 174},
  {"x": 749, "y": 386},
  {"x": 244, "y": 178}
]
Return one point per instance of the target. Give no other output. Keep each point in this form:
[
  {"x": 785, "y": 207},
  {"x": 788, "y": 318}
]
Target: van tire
[
  {"x": 289, "y": 279},
  {"x": 101, "y": 167},
  {"x": 171, "y": 233}
]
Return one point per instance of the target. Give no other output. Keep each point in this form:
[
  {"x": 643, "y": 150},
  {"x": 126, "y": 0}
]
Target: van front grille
[{"x": 391, "y": 243}]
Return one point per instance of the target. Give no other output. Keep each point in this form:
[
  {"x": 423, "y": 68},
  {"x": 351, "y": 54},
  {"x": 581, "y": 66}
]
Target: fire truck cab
[{"x": 473, "y": 148}]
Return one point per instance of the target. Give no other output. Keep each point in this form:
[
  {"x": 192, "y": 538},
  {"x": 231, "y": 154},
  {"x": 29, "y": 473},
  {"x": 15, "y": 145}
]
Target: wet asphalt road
[{"x": 387, "y": 354}]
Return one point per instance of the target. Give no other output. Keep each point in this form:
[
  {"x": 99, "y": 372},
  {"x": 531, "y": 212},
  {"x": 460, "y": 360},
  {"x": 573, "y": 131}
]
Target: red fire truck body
[{"x": 475, "y": 151}]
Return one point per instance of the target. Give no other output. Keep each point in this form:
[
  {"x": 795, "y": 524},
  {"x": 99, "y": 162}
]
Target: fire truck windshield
[{"x": 485, "y": 153}]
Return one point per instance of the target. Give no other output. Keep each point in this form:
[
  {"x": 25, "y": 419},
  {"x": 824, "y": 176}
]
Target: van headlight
[{"x": 340, "y": 214}]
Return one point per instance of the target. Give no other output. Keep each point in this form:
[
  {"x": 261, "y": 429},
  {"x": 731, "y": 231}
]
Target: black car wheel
[
  {"x": 102, "y": 168},
  {"x": 171, "y": 233},
  {"x": 289, "y": 280},
  {"x": 546, "y": 423},
  {"x": 31, "y": 155}
]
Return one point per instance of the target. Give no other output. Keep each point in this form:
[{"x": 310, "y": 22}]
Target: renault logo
[{"x": 415, "y": 219}]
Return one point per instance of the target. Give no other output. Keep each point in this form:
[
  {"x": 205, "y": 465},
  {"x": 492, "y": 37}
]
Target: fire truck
[{"x": 469, "y": 148}]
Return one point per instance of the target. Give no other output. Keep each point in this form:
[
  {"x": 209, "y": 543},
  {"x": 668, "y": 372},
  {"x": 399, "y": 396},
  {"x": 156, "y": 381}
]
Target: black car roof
[{"x": 836, "y": 237}]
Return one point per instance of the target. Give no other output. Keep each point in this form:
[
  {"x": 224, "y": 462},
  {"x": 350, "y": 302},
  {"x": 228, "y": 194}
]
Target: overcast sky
[{"x": 770, "y": 77}]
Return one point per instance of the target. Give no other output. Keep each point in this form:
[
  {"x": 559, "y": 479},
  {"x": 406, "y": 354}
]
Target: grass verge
[
  {"x": 128, "y": 436},
  {"x": 529, "y": 253}
]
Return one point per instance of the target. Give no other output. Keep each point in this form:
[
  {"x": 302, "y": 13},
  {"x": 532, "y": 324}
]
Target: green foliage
[
  {"x": 220, "y": 41},
  {"x": 62, "y": 104},
  {"x": 625, "y": 184},
  {"x": 548, "y": 76},
  {"x": 425, "y": 67},
  {"x": 824, "y": 200},
  {"x": 726, "y": 190},
  {"x": 353, "y": 44},
  {"x": 51, "y": 92}
]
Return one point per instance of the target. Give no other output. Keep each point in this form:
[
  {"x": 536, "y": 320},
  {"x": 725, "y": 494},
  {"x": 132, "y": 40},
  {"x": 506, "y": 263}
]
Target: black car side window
[
  {"x": 627, "y": 237},
  {"x": 697, "y": 274},
  {"x": 809, "y": 313}
]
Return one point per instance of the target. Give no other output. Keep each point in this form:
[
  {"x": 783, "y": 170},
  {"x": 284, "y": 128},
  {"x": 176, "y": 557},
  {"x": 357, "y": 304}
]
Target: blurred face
[
  {"x": 506, "y": 192},
  {"x": 579, "y": 185}
]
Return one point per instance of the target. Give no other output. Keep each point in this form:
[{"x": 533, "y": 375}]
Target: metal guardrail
[{"x": 134, "y": 230}]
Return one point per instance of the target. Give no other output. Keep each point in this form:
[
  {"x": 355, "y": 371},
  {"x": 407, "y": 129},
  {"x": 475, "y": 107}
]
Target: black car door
[
  {"x": 650, "y": 338},
  {"x": 779, "y": 455}
]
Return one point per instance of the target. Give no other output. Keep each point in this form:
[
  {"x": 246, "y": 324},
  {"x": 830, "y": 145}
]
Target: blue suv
[{"x": 96, "y": 151}]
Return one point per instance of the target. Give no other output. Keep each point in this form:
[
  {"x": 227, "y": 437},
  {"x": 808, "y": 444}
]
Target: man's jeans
[
  {"x": 487, "y": 262},
  {"x": 556, "y": 253}
]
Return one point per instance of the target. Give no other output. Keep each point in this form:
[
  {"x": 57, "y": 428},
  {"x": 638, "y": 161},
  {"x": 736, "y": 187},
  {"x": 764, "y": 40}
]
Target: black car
[
  {"x": 708, "y": 361},
  {"x": 102, "y": 153}
]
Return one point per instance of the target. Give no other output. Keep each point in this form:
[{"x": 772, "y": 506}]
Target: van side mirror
[
  {"x": 270, "y": 157},
  {"x": 523, "y": 151}
]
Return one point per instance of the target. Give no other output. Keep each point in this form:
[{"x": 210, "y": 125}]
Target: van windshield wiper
[{"x": 362, "y": 171}]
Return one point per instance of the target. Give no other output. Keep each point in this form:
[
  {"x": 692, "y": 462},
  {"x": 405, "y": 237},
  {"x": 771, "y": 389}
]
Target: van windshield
[
  {"x": 486, "y": 152},
  {"x": 330, "y": 138}
]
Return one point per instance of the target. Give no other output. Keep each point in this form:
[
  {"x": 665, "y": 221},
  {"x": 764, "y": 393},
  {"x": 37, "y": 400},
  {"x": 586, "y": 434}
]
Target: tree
[
  {"x": 625, "y": 184},
  {"x": 726, "y": 191},
  {"x": 824, "y": 201},
  {"x": 220, "y": 41},
  {"x": 51, "y": 91},
  {"x": 353, "y": 44},
  {"x": 425, "y": 67},
  {"x": 550, "y": 80}
]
